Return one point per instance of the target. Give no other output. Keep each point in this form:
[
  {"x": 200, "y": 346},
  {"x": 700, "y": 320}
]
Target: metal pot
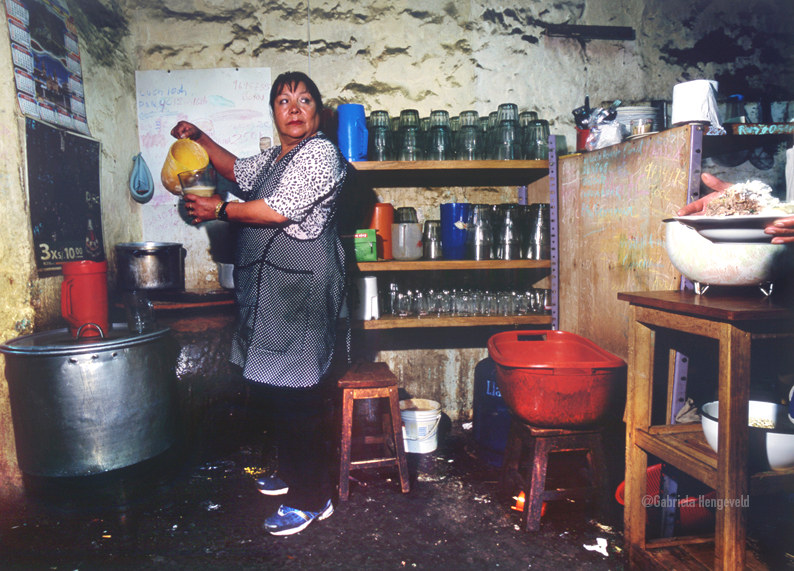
[
  {"x": 150, "y": 266},
  {"x": 93, "y": 405}
]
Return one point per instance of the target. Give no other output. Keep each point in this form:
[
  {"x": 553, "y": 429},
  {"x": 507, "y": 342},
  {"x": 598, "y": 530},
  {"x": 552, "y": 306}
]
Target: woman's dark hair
[{"x": 291, "y": 79}]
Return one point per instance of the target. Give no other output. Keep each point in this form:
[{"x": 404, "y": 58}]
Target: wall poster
[
  {"x": 46, "y": 56},
  {"x": 63, "y": 186}
]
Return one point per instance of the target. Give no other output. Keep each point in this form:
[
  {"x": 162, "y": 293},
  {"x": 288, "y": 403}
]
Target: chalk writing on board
[
  {"x": 612, "y": 203},
  {"x": 230, "y": 104},
  {"x": 765, "y": 129},
  {"x": 63, "y": 181}
]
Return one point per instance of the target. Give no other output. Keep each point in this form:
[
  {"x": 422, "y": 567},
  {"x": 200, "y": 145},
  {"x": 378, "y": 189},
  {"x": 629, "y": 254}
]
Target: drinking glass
[
  {"x": 479, "y": 233},
  {"x": 469, "y": 118},
  {"x": 505, "y": 142},
  {"x": 508, "y": 243},
  {"x": 493, "y": 125},
  {"x": 409, "y": 145},
  {"x": 405, "y": 214},
  {"x": 536, "y": 144},
  {"x": 526, "y": 117},
  {"x": 409, "y": 118},
  {"x": 454, "y": 129},
  {"x": 379, "y": 118},
  {"x": 380, "y": 144},
  {"x": 469, "y": 147},
  {"x": 507, "y": 112},
  {"x": 439, "y": 144}
]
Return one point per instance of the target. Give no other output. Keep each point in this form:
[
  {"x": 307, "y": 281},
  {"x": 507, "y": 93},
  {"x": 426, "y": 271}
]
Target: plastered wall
[{"x": 386, "y": 55}]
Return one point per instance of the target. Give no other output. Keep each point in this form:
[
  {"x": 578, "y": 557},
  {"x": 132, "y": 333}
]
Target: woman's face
[{"x": 295, "y": 114}]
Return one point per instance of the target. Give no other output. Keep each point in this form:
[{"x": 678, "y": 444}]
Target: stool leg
[
  {"x": 397, "y": 434},
  {"x": 346, "y": 445},
  {"x": 534, "y": 496},
  {"x": 512, "y": 459},
  {"x": 598, "y": 471}
]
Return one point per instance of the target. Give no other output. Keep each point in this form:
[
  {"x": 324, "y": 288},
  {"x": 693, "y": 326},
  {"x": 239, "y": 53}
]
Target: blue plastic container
[
  {"x": 352, "y": 134},
  {"x": 491, "y": 417}
]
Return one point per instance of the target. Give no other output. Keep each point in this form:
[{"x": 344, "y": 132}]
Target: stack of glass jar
[
  {"x": 503, "y": 134},
  {"x": 466, "y": 302},
  {"x": 508, "y": 232}
]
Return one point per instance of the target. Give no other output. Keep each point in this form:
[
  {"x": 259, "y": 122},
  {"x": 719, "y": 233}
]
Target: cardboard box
[{"x": 364, "y": 245}]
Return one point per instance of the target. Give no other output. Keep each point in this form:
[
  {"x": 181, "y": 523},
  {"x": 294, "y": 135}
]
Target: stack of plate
[{"x": 627, "y": 114}]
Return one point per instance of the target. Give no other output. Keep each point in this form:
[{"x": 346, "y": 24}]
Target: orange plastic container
[{"x": 556, "y": 379}]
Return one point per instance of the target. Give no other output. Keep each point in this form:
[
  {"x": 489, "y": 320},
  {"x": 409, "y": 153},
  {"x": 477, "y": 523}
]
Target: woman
[
  {"x": 782, "y": 230},
  {"x": 289, "y": 282}
]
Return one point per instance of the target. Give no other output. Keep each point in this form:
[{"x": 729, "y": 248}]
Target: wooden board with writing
[{"x": 612, "y": 203}]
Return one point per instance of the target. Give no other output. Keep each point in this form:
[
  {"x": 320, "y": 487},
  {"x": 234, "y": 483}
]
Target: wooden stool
[
  {"x": 370, "y": 381},
  {"x": 540, "y": 442}
]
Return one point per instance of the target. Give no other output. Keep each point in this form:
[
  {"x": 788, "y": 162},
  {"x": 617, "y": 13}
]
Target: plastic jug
[
  {"x": 184, "y": 155},
  {"x": 84, "y": 298},
  {"x": 352, "y": 133}
]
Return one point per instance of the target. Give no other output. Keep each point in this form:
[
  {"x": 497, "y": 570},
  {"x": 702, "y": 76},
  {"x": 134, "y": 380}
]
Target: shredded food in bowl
[
  {"x": 761, "y": 423},
  {"x": 751, "y": 197}
]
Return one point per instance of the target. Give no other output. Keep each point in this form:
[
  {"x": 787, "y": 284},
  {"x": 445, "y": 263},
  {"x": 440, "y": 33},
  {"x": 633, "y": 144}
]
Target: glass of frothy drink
[{"x": 201, "y": 182}]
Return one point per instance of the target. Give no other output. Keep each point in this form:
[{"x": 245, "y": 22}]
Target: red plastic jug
[{"x": 84, "y": 298}]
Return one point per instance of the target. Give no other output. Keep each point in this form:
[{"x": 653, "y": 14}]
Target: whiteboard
[{"x": 231, "y": 105}]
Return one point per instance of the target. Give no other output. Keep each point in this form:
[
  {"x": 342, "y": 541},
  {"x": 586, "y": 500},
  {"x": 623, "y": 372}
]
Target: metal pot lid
[
  {"x": 148, "y": 245},
  {"x": 60, "y": 342}
]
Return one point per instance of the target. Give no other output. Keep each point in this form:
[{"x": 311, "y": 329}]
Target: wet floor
[{"x": 199, "y": 510}]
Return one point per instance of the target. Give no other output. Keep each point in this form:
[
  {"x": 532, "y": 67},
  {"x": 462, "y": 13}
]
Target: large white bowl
[
  {"x": 725, "y": 264},
  {"x": 778, "y": 442}
]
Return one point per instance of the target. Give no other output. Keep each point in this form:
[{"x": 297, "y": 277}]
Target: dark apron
[{"x": 289, "y": 293}]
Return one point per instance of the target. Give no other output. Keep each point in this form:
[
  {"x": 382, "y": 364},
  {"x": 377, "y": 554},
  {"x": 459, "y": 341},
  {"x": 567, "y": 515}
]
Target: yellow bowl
[{"x": 184, "y": 155}]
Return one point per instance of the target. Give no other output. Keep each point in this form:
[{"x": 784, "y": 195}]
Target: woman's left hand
[
  {"x": 782, "y": 230},
  {"x": 201, "y": 208}
]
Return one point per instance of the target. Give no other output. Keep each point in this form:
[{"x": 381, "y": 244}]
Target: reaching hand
[
  {"x": 717, "y": 185},
  {"x": 782, "y": 230}
]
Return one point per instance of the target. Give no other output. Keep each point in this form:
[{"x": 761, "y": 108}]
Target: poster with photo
[{"x": 46, "y": 57}]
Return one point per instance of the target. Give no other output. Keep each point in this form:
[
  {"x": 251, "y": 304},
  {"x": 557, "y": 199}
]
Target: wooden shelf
[
  {"x": 426, "y": 265},
  {"x": 745, "y": 137},
  {"x": 684, "y": 446},
  {"x": 696, "y": 556},
  {"x": 393, "y": 322},
  {"x": 449, "y": 173}
]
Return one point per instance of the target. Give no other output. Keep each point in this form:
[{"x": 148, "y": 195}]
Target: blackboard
[
  {"x": 612, "y": 203},
  {"x": 63, "y": 186}
]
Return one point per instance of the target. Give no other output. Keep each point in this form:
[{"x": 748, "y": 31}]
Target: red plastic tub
[{"x": 555, "y": 379}]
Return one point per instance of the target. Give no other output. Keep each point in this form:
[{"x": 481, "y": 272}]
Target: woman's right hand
[
  {"x": 717, "y": 185},
  {"x": 185, "y": 130}
]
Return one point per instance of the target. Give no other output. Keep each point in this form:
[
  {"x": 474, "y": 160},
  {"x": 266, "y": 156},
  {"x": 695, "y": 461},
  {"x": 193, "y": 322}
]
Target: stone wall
[{"x": 386, "y": 55}]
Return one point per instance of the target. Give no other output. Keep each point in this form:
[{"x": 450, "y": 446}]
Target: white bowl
[
  {"x": 777, "y": 442},
  {"x": 724, "y": 264}
]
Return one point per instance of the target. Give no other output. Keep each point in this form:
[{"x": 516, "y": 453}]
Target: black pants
[{"x": 300, "y": 421}]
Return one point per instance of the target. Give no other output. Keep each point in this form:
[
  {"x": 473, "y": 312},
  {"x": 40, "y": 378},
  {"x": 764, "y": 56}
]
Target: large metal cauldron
[{"x": 93, "y": 405}]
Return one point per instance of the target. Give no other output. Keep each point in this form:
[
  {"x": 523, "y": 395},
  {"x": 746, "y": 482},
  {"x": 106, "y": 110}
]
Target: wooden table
[{"x": 734, "y": 322}]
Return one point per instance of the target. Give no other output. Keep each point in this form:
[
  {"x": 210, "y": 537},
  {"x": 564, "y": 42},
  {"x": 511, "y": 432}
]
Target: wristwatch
[{"x": 220, "y": 211}]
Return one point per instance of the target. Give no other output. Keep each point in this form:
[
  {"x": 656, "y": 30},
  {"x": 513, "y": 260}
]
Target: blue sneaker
[
  {"x": 272, "y": 486},
  {"x": 287, "y": 521}
]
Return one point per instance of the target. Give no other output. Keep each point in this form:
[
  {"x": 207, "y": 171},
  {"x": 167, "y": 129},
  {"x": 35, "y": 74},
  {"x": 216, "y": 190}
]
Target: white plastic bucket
[{"x": 420, "y": 424}]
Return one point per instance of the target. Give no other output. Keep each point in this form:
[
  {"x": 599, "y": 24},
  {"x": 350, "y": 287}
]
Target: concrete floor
[{"x": 199, "y": 510}]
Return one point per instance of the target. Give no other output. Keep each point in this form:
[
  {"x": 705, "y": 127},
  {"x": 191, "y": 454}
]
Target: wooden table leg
[
  {"x": 638, "y": 414},
  {"x": 732, "y": 469}
]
